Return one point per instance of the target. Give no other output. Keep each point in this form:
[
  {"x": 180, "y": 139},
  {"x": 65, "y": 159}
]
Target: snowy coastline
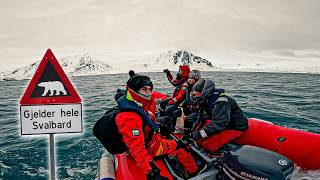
[{"x": 87, "y": 64}]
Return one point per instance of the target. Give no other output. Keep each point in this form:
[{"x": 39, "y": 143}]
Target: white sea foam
[
  {"x": 70, "y": 172},
  {"x": 4, "y": 166},
  {"x": 306, "y": 174}
]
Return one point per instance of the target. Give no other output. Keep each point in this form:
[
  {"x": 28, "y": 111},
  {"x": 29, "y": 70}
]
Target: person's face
[
  {"x": 145, "y": 90},
  {"x": 196, "y": 93},
  {"x": 191, "y": 81}
]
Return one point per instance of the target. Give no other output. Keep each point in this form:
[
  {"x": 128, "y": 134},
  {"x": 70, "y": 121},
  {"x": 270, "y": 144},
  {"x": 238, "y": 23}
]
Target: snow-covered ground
[
  {"x": 306, "y": 66},
  {"x": 94, "y": 64}
]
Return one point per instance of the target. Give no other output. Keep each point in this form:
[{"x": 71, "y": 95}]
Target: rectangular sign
[{"x": 48, "y": 119}]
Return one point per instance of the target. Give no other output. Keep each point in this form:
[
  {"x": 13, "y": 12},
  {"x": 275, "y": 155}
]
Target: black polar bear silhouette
[{"x": 54, "y": 87}]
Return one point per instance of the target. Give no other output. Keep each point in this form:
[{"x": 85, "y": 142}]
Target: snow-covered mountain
[
  {"x": 84, "y": 65},
  {"x": 155, "y": 62},
  {"x": 87, "y": 64},
  {"x": 94, "y": 64},
  {"x": 72, "y": 65}
]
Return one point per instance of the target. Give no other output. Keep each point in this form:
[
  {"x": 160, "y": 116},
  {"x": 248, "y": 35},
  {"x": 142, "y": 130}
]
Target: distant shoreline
[{"x": 156, "y": 71}]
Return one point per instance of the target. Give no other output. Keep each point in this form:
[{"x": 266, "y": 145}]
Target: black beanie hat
[
  {"x": 137, "y": 82},
  {"x": 131, "y": 73}
]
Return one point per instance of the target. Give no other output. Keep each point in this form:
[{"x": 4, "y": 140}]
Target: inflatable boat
[
  {"x": 264, "y": 152},
  {"x": 301, "y": 147}
]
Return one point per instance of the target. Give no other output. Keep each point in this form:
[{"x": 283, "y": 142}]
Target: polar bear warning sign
[{"x": 50, "y": 103}]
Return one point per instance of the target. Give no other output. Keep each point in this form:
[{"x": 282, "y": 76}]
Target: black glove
[
  {"x": 182, "y": 143},
  {"x": 191, "y": 136},
  {"x": 185, "y": 139},
  {"x": 164, "y": 130},
  {"x": 177, "y": 113},
  {"x": 164, "y": 103},
  {"x": 164, "y": 120},
  {"x": 166, "y": 71},
  {"x": 165, "y": 124},
  {"x": 201, "y": 101},
  {"x": 120, "y": 92},
  {"x": 154, "y": 174}
]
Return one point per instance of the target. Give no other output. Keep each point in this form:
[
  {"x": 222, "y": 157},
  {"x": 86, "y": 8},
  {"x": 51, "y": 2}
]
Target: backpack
[{"x": 107, "y": 132}]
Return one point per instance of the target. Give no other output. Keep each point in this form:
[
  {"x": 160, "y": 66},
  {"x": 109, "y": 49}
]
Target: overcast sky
[{"x": 225, "y": 30}]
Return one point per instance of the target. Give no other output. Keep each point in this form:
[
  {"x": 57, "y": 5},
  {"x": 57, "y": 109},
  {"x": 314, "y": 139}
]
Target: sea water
[{"x": 291, "y": 100}]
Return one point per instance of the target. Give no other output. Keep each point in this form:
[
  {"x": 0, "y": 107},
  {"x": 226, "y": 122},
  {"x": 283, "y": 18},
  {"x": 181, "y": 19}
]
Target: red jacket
[
  {"x": 179, "y": 92},
  {"x": 130, "y": 125},
  {"x": 180, "y": 95}
]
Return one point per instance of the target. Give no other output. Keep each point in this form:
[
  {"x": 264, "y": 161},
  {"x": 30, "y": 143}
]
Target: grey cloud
[
  {"x": 210, "y": 26},
  {"x": 291, "y": 53}
]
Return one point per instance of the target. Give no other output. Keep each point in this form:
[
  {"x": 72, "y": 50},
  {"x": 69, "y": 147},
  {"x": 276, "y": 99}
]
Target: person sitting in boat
[
  {"x": 194, "y": 76},
  {"x": 155, "y": 94},
  {"x": 227, "y": 119},
  {"x": 178, "y": 83},
  {"x": 141, "y": 133}
]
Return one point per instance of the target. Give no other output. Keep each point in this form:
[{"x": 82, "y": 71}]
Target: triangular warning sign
[{"x": 49, "y": 84}]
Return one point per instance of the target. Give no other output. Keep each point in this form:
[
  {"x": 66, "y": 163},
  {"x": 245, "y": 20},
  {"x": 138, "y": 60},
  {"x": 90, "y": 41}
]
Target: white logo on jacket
[{"x": 135, "y": 132}]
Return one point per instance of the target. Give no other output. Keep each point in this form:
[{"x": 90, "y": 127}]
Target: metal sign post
[{"x": 52, "y": 157}]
